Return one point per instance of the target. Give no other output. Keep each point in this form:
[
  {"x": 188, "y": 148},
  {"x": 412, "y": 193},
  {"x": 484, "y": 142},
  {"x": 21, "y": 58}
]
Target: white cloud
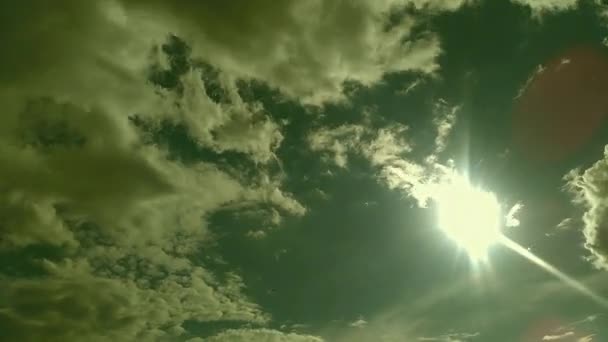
[
  {"x": 558, "y": 337},
  {"x": 588, "y": 338},
  {"x": 234, "y": 126},
  {"x": 589, "y": 187},
  {"x": 578, "y": 331},
  {"x": 77, "y": 173},
  {"x": 452, "y": 337},
  {"x": 388, "y": 150},
  {"x": 360, "y": 323},
  {"x": 511, "y": 219},
  {"x": 410, "y": 87},
  {"x": 261, "y": 335},
  {"x": 565, "y": 224},
  {"x": 256, "y": 234},
  {"x": 338, "y": 141},
  {"x": 543, "y": 6},
  {"x": 307, "y": 50},
  {"x": 445, "y": 119},
  {"x": 388, "y": 144}
]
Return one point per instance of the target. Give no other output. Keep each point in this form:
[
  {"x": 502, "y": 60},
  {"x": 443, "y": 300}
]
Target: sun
[{"x": 468, "y": 215}]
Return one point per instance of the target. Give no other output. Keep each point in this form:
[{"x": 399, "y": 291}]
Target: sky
[{"x": 276, "y": 171}]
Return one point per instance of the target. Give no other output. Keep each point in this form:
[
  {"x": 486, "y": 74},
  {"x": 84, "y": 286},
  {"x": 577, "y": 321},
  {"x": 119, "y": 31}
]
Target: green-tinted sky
[{"x": 268, "y": 170}]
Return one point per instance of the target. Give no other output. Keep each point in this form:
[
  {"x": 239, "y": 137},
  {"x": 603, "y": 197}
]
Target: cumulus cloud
[
  {"x": 306, "y": 50},
  {"x": 225, "y": 123},
  {"x": 589, "y": 187},
  {"x": 84, "y": 176}
]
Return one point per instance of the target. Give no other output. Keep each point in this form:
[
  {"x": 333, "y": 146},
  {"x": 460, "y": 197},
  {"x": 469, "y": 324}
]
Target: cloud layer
[{"x": 109, "y": 222}]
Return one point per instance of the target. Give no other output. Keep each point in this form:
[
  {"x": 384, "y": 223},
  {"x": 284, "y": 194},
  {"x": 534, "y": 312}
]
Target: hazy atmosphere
[{"x": 304, "y": 171}]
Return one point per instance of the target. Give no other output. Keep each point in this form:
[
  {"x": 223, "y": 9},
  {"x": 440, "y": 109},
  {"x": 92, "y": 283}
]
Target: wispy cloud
[
  {"x": 579, "y": 331},
  {"x": 565, "y": 224},
  {"x": 445, "y": 119},
  {"x": 261, "y": 335},
  {"x": 360, "y": 323},
  {"x": 540, "y": 7},
  {"x": 558, "y": 337},
  {"x": 451, "y": 337}
]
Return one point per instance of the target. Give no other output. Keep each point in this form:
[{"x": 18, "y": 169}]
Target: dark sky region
[{"x": 274, "y": 170}]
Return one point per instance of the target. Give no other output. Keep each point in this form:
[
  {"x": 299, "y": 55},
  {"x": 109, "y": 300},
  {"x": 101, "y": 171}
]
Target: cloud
[
  {"x": 385, "y": 148},
  {"x": 558, "y": 337},
  {"x": 71, "y": 303},
  {"x": 565, "y": 224},
  {"x": 307, "y": 51},
  {"x": 445, "y": 119},
  {"x": 452, "y": 337},
  {"x": 86, "y": 176},
  {"x": 225, "y": 123},
  {"x": 589, "y": 187},
  {"x": 378, "y": 146},
  {"x": 337, "y": 142},
  {"x": 543, "y": 6},
  {"x": 261, "y": 335},
  {"x": 360, "y": 323},
  {"x": 578, "y": 331},
  {"x": 410, "y": 87},
  {"x": 389, "y": 150},
  {"x": 511, "y": 219},
  {"x": 256, "y": 234}
]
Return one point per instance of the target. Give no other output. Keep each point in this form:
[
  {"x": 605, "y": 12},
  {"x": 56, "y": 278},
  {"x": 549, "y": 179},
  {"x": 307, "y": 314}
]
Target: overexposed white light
[
  {"x": 468, "y": 215},
  {"x": 472, "y": 218}
]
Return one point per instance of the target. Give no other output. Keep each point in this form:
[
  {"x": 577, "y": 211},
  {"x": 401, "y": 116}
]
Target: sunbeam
[
  {"x": 472, "y": 218},
  {"x": 573, "y": 283}
]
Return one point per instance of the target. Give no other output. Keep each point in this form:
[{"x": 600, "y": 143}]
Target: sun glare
[
  {"x": 472, "y": 218},
  {"x": 469, "y": 216}
]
